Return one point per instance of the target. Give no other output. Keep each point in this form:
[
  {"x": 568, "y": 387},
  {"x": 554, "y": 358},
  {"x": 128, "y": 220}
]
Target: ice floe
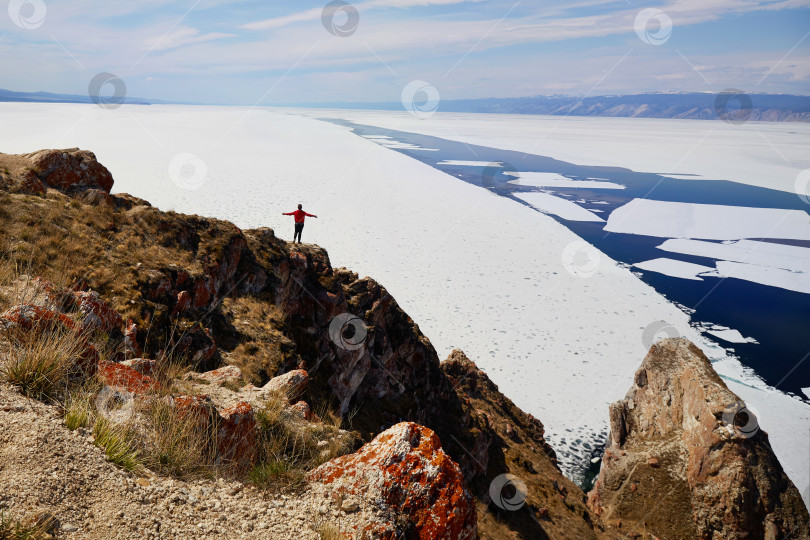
[
  {"x": 707, "y": 221},
  {"x": 674, "y": 268},
  {"x": 562, "y": 208},
  {"x": 783, "y": 256},
  {"x": 539, "y": 179}
]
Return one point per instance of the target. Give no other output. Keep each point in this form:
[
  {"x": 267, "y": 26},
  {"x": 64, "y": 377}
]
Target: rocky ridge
[
  {"x": 687, "y": 459},
  {"x": 255, "y": 317}
]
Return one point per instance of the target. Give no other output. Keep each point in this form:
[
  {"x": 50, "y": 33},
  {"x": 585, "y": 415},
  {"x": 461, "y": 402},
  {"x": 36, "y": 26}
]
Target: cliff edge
[{"x": 686, "y": 459}]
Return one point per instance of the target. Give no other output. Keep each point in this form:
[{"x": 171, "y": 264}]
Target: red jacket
[{"x": 299, "y": 215}]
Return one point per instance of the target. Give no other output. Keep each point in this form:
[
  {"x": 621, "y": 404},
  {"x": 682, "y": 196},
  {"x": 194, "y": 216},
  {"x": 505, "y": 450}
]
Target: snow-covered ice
[
  {"x": 545, "y": 202},
  {"x": 783, "y": 256},
  {"x": 765, "y": 154},
  {"x": 476, "y": 271},
  {"x": 765, "y": 275},
  {"x": 668, "y": 219},
  {"x": 466, "y": 163},
  {"x": 731, "y": 335},
  {"x": 674, "y": 268},
  {"x": 538, "y": 179}
]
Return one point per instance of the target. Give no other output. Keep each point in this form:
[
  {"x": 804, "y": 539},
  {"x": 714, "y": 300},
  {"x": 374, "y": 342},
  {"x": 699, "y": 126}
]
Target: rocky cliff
[
  {"x": 255, "y": 317},
  {"x": 686, "y": 459}
]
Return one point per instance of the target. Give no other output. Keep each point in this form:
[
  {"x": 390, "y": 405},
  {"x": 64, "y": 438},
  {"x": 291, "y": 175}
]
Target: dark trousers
[{"x": 298, "y": 228}]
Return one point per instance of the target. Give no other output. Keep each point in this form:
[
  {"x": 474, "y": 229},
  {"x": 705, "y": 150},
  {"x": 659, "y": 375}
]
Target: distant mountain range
[
  {"x": 705, "y": 106},
  {"x": 48, "y": 97},
  {"x": 694, "y": 105}
]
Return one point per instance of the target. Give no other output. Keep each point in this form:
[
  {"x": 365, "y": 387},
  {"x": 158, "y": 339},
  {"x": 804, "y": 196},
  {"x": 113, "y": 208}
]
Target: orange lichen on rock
[
  {"x": 126, "y": 378},
  {"x": 96, "y": 313},
  {"x": 237, "y": 441},
  {"x": 406, "y": 472}
]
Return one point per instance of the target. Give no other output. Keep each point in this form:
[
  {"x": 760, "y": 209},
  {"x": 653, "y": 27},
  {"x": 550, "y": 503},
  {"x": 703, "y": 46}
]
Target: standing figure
[{"x": 300, "y": 215}]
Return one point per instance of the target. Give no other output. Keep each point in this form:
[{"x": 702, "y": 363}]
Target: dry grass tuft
[
  {"x": 16, "y": 530},
  {"x": 41, "y": 364},
  {"x": 178, "y": 442}
]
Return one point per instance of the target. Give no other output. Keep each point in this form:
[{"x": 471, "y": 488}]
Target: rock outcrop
[
  {"x": 417, "y": 487},
  {"x": 70, "y": 170},
  {"x": 687, "y": 460}
]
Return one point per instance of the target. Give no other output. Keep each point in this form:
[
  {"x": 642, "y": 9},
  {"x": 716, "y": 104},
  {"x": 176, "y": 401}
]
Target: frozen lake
[{"x": 557, "y": 324}]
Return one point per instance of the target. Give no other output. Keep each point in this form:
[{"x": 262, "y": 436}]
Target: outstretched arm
[
  {"x": 288, "y": 213},
  {"x": 310, "y": 215}
]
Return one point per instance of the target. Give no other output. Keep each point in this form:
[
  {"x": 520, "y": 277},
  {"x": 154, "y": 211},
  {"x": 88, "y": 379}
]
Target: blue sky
[{"x": 279, "y": 52}]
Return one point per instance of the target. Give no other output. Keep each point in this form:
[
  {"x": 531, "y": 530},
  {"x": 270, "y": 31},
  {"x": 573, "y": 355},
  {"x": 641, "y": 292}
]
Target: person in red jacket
[{"x": 300, "y": 215}]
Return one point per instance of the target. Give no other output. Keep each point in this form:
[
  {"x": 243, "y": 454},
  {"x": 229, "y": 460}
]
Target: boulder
[
  {"x": 70, "y": 169},
  {"x": 220, "y": 376},
  {"x": 96, "y": 313},
  {"x": 237, "y": 439},
  {"x": 292, "y": 384},
  {"x": 303, "y": 410},
  {"x": 687, "y": 460},
  {"x": 418, "y": 489},
  {"x": 141, "y": 365},
  {"x": 126, "y": 378}
]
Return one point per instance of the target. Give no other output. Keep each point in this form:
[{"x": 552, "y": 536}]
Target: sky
[{"x": 277, "y": 52}]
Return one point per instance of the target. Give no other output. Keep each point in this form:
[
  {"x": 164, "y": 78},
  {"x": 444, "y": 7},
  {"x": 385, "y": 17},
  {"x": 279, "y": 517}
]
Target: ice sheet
[
  {"x": 765, "y": 275},
  {"x": 462, "y": 163},
  {"x": 674, "y": 268},
  {"x": 559, "y": 207},
  {"x": 766, "y": 154},
  {"x": 539, "y": 179},
  {"x": 746, "y": 251},
  {"x": 707, "y": 221},
  {"x": 732, "y": 336},
  {"x": 476, "y": 271}
]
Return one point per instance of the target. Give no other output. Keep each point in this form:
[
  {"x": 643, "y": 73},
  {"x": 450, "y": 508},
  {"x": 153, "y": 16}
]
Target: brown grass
[
  {"x": 178, "y": 443},
  {"x": 41, "y": 364}
]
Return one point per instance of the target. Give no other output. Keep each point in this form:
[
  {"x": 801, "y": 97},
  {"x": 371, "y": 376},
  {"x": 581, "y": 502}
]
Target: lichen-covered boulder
[
  {"x": 416, "y": 486},
  {"x": 96, "y": 313},
  {"x": 70, "y": 169},
  {"x": 237, "y": 440},
  {"x": 126, "y": 378},
  {"x": 220, "y": 376}
]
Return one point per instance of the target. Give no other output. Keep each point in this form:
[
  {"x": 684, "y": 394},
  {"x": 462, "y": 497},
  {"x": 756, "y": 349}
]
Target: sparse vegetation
[
  {"x": 40, "y": 363},
  {"x": 15, "y": 530},
  {"x": 290, "y": 447},
  {"x": 329, "y": 531},
  {"x": 118, "y": 440},
  {"x": 180, "y": 442},
  {"x": 78, "y": 412}
]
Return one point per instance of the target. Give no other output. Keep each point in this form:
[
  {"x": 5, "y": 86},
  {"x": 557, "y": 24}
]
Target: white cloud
[{"x": 180, "y": 37}]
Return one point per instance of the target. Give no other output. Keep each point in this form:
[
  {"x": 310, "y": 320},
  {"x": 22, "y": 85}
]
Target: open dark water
[{"x": 777, "y": 318}]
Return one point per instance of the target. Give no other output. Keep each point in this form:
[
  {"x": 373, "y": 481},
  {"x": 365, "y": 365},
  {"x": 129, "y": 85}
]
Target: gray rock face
[{"x": 686, "y": 459}]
